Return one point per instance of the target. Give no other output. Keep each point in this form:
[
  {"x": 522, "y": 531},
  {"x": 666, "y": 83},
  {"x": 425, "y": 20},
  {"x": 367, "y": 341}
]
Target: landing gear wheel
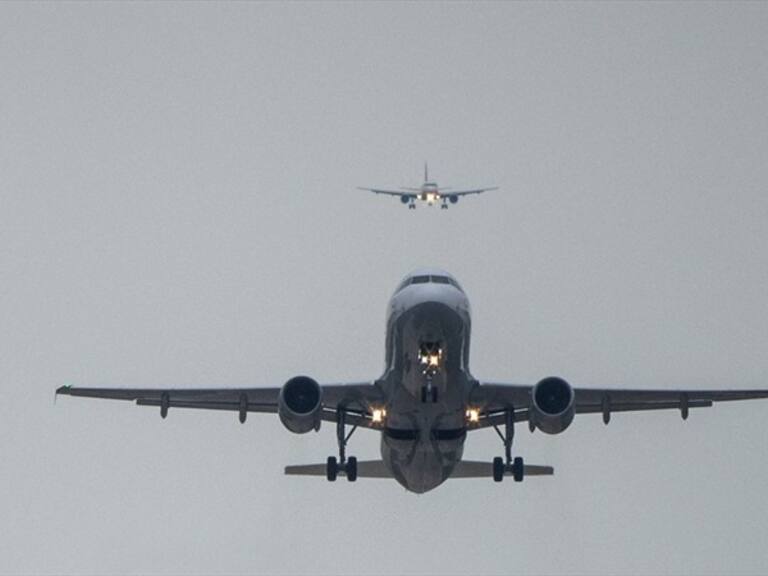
[
  {"x": 498, "y": 469},
  {"x": 351, "y": 468},
  {"x": 332, "y": 469},
  {"x": 518, "y": 469}
]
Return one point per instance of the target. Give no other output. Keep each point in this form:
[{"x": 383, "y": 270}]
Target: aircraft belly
[
  {"x": 427, "y": 385},
  {"x": 421, "y": 466}
]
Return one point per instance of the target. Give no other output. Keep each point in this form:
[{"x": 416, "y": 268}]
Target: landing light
[
  {"x": 473, "y": 415},
  {"x": 378, "y": 415}
]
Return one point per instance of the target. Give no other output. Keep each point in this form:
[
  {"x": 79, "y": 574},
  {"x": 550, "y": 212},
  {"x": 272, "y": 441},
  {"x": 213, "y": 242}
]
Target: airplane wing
[
  {"x": 354, "y": 398},
  {"x": 467, "y": 192},
  {"x": 492, "y": 400},
  {"x": 389, "y": 192}
]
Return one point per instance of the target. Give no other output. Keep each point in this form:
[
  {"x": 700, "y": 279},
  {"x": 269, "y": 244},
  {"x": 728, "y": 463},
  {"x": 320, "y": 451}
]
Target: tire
[
  {"x": 498, "y": 469},
  {"x": 518, "y": 469},
  {"x": 331, "y": 469},
  {"x": 351, "y": 468}
]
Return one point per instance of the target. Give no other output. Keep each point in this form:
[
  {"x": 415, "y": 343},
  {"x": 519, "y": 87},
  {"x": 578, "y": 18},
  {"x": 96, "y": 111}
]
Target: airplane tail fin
[{"x": 426, "y": 172}]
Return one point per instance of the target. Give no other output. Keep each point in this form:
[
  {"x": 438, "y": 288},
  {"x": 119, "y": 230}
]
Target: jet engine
[
  {"x": 299, "y": 404},
  {"x": 404, "y": 199},
  {"x": 553, "y": 405},
  {"x": 453, "y": 198}
]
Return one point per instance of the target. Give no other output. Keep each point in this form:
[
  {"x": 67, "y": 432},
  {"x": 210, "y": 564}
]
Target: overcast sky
[{"x": 178, "y": 208}]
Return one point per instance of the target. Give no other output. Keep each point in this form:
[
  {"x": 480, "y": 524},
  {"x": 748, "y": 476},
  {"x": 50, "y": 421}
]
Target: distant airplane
[
  {"x": 428, "y": 192},
  {"x": 426, "y": 401}
]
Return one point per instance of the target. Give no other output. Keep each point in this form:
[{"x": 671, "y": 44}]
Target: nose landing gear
[{"x": 430, "y": 358}]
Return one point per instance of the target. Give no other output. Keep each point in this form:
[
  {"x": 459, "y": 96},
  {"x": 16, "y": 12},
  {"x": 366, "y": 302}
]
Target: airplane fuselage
[
  {"x": 430, "y": 193},
  {"x": 426, "y": 379}
]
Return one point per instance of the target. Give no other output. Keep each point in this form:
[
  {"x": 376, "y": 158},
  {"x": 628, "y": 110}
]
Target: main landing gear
[
  {"x": 342, "y": 465},
  {"x": 507, "y": 465}
]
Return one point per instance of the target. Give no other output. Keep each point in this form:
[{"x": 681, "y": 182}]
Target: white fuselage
[
  {"x": 426, "y": 379},
  {"x": 430, "y": 193}
]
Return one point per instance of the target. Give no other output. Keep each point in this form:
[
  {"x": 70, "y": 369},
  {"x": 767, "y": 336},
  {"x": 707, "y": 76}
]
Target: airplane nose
[{"x": 441, "y": 294}]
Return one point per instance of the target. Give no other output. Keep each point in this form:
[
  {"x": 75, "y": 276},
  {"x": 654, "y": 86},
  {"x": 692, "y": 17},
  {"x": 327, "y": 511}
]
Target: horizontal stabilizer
[
  {"x": 365, "y": 469},
  {"x": 473, "y": 469},
  {"x": 377, "y": 469}
]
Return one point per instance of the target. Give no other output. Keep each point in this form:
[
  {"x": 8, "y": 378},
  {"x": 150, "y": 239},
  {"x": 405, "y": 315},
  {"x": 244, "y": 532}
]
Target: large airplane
[
  {"x": 426, "y": 401},
  {"x": 428, "y": 192}
]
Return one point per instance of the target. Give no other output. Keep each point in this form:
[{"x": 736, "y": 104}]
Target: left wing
[
  {"x": 492, "y": 400},
  {"x": 354, "y": 399},
  {"x": 467, "y": 192}
]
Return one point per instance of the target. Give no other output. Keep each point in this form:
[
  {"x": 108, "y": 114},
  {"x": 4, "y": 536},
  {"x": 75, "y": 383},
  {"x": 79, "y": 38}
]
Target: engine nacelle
[
  {"x": 405, "y": 199},
  {"x": 453, "y": 198},
  {"x": 553, "y": 405},
  {"x": 299, "y": 404}
]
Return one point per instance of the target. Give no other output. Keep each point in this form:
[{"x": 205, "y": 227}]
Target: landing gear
[
  {"x": 332, "y": 469},
  {"x": 344, "y": 465},
  {"x": 498, "y": 469},
  {"x": 501, "y": 467},
  {"x": 518, "y": 469},
  {"x": 430, "y": 358},
  {"x": 352, "y": 469}
]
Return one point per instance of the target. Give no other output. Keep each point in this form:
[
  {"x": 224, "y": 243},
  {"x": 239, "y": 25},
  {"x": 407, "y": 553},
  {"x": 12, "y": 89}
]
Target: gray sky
[{"x": 177, "y": 208}]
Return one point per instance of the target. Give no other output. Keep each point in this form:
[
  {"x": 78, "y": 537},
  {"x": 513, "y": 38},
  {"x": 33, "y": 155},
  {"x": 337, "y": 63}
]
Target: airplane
[
  {"x": 426, "y": 401},
  {"x": 428, "y": 192}
]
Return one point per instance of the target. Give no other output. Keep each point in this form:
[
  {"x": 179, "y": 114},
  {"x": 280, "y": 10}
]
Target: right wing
[
  {"x": 354, "y": 399},
  {"x": 389, "y": 192}
]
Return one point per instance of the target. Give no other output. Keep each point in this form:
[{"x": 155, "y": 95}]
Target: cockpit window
[{"x": 427, "y": 279}]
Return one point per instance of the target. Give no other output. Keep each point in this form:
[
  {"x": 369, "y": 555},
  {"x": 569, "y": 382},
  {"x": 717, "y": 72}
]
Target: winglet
[{"x": 60, "y": 390}]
